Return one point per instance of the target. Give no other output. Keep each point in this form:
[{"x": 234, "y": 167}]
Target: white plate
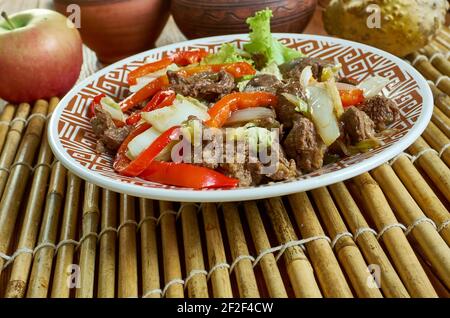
[{"x": 73, "y": 142}]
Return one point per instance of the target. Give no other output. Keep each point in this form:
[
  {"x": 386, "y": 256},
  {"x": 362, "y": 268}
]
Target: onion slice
[
  {"x": 249, "y": 114},
  {"x": 371, "y": 86}
]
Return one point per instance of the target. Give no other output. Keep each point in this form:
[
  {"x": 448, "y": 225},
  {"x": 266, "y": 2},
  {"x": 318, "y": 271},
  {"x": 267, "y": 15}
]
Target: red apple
[{"x": 40, "y": 55}]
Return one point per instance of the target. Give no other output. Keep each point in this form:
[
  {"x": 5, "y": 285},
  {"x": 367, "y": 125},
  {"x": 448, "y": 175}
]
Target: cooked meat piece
[
  {"x": 285, "y": 110},
  {"x": 260, "y": 60},
  {"x": 249, "y": 172},
  {"x": 381, "y": 110},
  {"x": 109, "y": 136},
  {"x": 304, "y": 145},
  {"x": 268, "y": 123},
  {"x": 252, "y": 173},
  {"x": 294, "y": 68},
  {"x": 204, "y": 85},
  {"x": 347, "y": 80},
  {"x": 264, "y": 82},
  {"x": 357, "y": 125}
]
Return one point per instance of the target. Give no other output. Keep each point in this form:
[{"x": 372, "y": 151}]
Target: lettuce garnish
[{"x": 262, "y": 41}]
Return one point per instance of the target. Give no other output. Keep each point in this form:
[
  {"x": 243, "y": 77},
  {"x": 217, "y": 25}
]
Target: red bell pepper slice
[
  {"x": 237, "y": 69},
  {"x": 145, "y": 92},
  {"x": 351, "y": 97},
  {"x": 147, "y": 69},
  {"x": 184, "y": 58},
  {"x": 136, "y": 166},
  {"x": 181, "y": 58},
  {"x": 186, "y": 175},
  {"x": 222, "y": 110},
  {"x": 95, "y": 102},
  {"x": 159, "y": 100}
]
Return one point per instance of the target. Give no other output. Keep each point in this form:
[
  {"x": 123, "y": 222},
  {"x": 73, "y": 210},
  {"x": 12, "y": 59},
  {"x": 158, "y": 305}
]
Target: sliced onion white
[
  {"x": 373, "y": 85},
  {"x": 146, "y": 79},
  {"x": 182, "y": 108},
  {"x": 306, "y": 76},
  {"x": 345, "y": 86},
  {"x": 330, "y": 86},
  {"x": 109, "y": 105},
  {"x": 322, "y": 113},
  {"x": 141, "y": 142},
  {"x": 249, "y": 114}
]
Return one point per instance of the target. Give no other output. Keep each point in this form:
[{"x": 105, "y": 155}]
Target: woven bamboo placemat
[{"x": 382, "y": 234}]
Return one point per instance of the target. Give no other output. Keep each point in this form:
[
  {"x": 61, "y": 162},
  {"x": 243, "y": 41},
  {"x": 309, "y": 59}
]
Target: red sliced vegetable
[
  {"x": 147, "y": 69},
  {"x": 184, "y": 58},
  {"x": 95, "y": 102},
  {"x": 132, "y": 168},
  {"x": 145, "y": 92},
  {"x": 351, "y": 97},
  {"x": 186, "y": 175},
  {"x": 121, "y": 160},
  {"x": 159, "y": 100},
  {"x": 237, "y": 69},
  {"x": 222, "y": 110}
]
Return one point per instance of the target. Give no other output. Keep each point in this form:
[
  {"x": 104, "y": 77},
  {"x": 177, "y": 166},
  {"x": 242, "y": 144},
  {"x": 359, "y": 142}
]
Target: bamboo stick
[
  {"x": 149, "y": 248},
  {"x": 433, "y": 166},
  {"x": 88, "y": 247},
  {"x": 18, "y": 176},
  {"x": 390, "y": 282},
  {"x": 441, "y": 121},
  {"x": 440, "y": 288},
  {"x": 66, "y": 275},
  {"x": 11, "y": 145},
  {"x": 430, "y": 72},
  {"x": 5, "y": 120},
  {"x": 220, "y": 277},
  {"x": 326, "y": 266},
  {"x": 268, "y": 264},
  {"x": 171, "y": 256},
  {"x": 299, "y": 268},
  {"x": 437, "y": 140},
  {"x": 128, "y": 277},
  {"x": 243, "y": 270},
  {"x": 33, "y": 213},
  {"x": 422, "y": 194},
  {"x": 347, "y": 252},
  {"x": 401, "y": 253},
  {"x": 439, "y": 47},
  {"x": 107, "y": 247},
  {"x": 197, "y": 286},
  {"x": 441, "y": 100},
  {"x": 433, "y": 246},
  {"x": 439, "y": 62},
  {"x": 38, "y": 284}
]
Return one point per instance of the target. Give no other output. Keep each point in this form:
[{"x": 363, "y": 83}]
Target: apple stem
[{"x": 5, "y": 16}]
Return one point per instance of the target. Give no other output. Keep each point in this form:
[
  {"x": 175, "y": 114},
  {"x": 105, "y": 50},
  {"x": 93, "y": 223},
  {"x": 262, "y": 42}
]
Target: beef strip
[
  {"x": 347, "y": 80},
  {"x": 304, "y": 145},
  {"x": 357, "y": 125},
  {"x": 285, "y": 110},
  {"x": 204, "y": 85},
  {"x": 381, "y": 110},
  {"x": 263, "y": 82},
  {"x": 294, "y": 68},
  {"x": 109, "y": 136}
]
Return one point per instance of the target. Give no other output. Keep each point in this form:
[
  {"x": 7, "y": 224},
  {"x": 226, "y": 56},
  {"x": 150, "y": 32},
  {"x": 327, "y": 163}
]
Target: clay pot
[
  {"x": 115, "y": 29},
  {"x": 200, "y": 18}
]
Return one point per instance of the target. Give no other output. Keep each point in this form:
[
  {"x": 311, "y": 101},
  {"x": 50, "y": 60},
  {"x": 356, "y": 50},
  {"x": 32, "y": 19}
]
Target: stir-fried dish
[{"x": 264, "y": 113}]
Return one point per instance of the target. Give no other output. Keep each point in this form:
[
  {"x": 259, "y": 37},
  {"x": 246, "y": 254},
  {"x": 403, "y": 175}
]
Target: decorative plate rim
[{"x": 252, "y": 193}]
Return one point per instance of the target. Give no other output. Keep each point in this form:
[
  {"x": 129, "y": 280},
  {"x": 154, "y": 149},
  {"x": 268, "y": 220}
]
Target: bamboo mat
[{"x": 63, "y": 237}]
